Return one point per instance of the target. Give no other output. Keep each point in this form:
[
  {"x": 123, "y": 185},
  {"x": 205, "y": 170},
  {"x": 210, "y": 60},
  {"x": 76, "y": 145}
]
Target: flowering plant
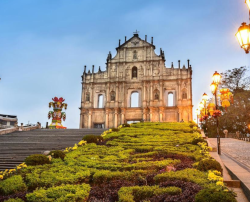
[
  {"x": 215, "y": 176},
  {"x": 216, "y": 113},
  {"x": 204, "y": 149}
]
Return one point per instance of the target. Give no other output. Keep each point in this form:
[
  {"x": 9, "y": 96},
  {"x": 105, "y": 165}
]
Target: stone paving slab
[
  {"x": 236, "y": 149},
  {"x": 236, "y": 158}
]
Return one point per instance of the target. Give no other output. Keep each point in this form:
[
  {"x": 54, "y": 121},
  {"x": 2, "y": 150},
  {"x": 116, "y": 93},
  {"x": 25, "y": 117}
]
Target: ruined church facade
[{"x": 164, "y": 94}]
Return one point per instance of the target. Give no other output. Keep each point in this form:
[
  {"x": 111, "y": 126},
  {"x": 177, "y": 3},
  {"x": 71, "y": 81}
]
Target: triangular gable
[{"x": 132, "y": 38}]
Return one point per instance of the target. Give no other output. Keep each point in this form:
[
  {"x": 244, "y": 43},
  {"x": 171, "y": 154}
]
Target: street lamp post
[
  {"x": 204, "y": 99},
  {"x": 214, "y": 88},
  {"x": 197, "y": 113}
]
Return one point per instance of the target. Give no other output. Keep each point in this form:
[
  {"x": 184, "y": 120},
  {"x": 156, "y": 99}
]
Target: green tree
[
  {"x": 235, "y": 79},
  {"x": 237, "y": 116}
]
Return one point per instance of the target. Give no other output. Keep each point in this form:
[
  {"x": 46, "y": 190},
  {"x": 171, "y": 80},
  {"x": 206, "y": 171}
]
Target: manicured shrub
[
  {"x": 54, "y": 176},
  {"x": 103, "y": 176},
  {"x": 14, "y": 200},
  {"x": 139, "y": 193},
  {"x": 93, "y": 138},
  {"x": 36, "y": 159},
  {"x": 188, "y": 175},
  {"x": 213, "y": 195},
  {"x": 209, "y": 164},
  {"x": 61, "y": 193},
  {"x": 125, "y": 125},
  {"x": 197, "y": 140},
  {"x": 57, "y": 154},
  {"x": 114, "y": 129},
  {"x": 12, "y": 185},
  {"x": 192, "y": 124}
]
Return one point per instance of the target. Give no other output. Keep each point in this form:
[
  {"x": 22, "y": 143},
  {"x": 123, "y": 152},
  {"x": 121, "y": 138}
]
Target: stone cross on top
[{"x": 136, "y": 33}]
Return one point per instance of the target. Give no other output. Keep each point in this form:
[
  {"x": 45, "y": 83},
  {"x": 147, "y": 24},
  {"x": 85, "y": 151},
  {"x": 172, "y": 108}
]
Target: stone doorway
[
  {"x": 98, "y": 125},
  {"x": 133, "y": 121}
]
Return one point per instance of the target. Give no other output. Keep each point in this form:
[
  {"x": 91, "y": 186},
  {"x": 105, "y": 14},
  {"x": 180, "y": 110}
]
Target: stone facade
[
  {"x": 8, "y": 121},
  {"x": 136, "y": 68}
]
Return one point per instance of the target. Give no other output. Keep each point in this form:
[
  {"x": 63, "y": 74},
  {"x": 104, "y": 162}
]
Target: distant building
[{"x": 8, "y": 121}]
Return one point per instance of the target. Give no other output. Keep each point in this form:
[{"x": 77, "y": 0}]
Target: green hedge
[
  {"x": 102, "y": 176},
  {"x": 12, "y": 185},
  {"x": 63, "y": 193},
  {"x": 209, "y": 164},
  {"x": 57, "y": 154},
  {"x": 139, "y": 193},
  {"x": 93, "y": 138},
  {"x": 213, "y": 195},
  {"x": 188, "y": 175},
  {"x": 55, "y": 176},
  {"x": 37, "y": 159},
  {"x": 14, "y": 200}
]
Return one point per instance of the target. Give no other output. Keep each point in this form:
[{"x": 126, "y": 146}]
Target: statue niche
[
  {"x": 135, "y": 54},
  {"x": 112, "y": 96},
  {"x": 184, "y": 94},
  {"x": 87, "y": 97},
  {"x": 156, "y": 94}
]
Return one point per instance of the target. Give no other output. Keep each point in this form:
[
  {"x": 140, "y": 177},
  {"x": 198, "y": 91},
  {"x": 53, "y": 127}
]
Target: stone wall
[{"x": 20, "y": 128}]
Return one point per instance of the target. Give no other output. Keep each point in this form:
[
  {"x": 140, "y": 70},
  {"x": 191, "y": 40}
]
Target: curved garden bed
[{"x": 145, "y": 161}]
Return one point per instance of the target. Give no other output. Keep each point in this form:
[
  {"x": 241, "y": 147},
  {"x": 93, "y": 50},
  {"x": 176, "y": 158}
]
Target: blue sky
[{"x": 45, "y": 44}]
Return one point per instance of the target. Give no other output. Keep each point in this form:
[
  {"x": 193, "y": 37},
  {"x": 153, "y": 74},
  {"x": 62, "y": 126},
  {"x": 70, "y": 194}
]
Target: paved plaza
[{"x": 239, "y": 150}]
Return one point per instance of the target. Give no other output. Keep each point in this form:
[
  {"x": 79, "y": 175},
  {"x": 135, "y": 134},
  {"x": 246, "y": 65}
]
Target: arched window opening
[
  {"x": 87, "y": 97},
  {"x": 134, "y": 99},
  {"x": 100, "y": 101},
  {"x": 156, "y": 94},
  {"x": 184, "y": 94},
  {"x": 134, "y": 72},
  {"x": 170, "y": 99},
  {"x": 112, "y": 96}
]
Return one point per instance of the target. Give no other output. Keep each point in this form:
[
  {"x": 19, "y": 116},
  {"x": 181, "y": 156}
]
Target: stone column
[
  {"x": 83, "y": 113},
  {"x": 179, "y": 90},
  {"x": 161, "y": 110},
  {"x": 116, "y": 114},
  {"x": 107, "y": 118},
  {"x": 90, "y": 119},
  {"x": 144, "y": 91},
  {"x": 116, "y": 94},
  {"x": 144, "y": 114},
  {"x": 151, "y": 91},
  {"x": 81, "y": 117},
  {"x": 92, "y": 97},
  {"x": 123, "y": 110},
  {"x": 151, "y": 111}
]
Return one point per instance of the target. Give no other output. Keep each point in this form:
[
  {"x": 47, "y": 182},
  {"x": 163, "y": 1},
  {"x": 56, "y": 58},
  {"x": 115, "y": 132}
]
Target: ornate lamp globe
[
  {"x": 216, "y": 78},
  {"x": 201, "y": 106},
  {"x": 248, "y": 3},
  {"x": 204, "y": 97},
  {"x": 243, "y": 36},
  {"x": 213, "y": 87}
]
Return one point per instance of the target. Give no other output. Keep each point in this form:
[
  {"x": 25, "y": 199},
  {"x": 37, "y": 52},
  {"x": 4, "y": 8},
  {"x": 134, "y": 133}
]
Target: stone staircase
[{"x": 16, "y": 146}]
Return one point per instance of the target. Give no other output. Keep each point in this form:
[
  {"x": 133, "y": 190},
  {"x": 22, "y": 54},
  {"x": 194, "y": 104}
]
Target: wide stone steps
[{"x": 16, "y": 146}]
